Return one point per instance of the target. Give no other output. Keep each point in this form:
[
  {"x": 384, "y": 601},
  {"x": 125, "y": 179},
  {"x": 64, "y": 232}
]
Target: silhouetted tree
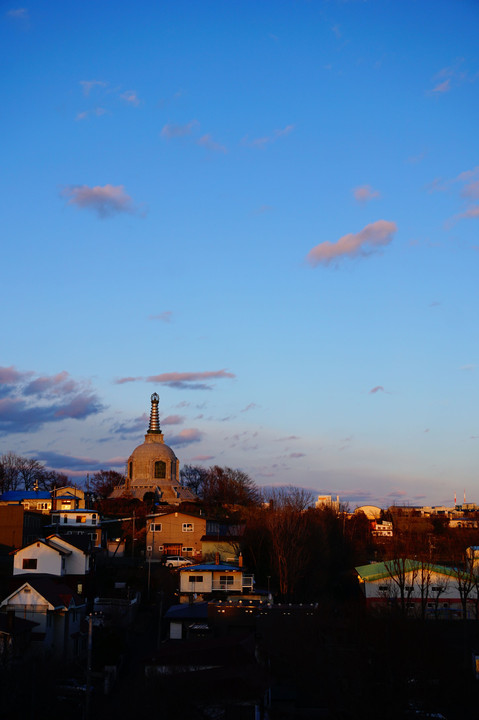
[{"x": 22, "y": 473}]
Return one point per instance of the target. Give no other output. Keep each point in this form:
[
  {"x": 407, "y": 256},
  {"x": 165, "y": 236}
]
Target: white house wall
[{"x": 48, "y": 560}]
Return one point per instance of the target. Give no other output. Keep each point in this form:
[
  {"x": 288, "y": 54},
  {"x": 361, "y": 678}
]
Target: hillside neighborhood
[{"x": 195, "y": 591}]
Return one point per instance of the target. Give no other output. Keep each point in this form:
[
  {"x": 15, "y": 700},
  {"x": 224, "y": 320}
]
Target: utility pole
[{"x": 88, "y": 666}]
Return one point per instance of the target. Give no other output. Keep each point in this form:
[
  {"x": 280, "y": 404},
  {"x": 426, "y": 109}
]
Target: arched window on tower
[
  {"x": 173, "y": 470},
  {"x": 160, "y": 469},
  {"x": 130, "y": 470}
]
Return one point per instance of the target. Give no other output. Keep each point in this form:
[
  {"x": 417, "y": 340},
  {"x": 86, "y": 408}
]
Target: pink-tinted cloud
[
  {"x": 190, "y": 380},
  {"x": 368, "y": 240},
  {"x": 471, "y": 190},
  {"x": 296, "y": 455},
  {"x": 122, "y": 381},
  {"x": 470, "y": 212},
  {"x": 185, "y": 437},
  {"x": 105, "y": 201},
  {"x": 163, "y": 316},
  {"x": 88, "y": 85},
  {"x": 442, "y": 87},
  {"x": 207, "y": 142},
  {"x": 131, "y": 98},
  {"x": 365, "y": 193},
  {"x": 173, "y": 420},
  {"x": 171, "y": 131},
  {"x": 451, "y": 76},
  {"x": 10, "y": 376},
  {"x": 261, "y": 142},
  {"x": 378, "y": 388},
  {"x": 202, "y": 458}
]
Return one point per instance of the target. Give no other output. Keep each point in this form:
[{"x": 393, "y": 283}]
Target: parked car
[{"x": 176, "y": 561}]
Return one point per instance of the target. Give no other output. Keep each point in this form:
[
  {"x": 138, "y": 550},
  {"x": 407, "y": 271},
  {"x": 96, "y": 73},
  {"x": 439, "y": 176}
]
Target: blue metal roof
[
  {"x": 19, "y": 495},
  {"x": 210, "y": 567}
]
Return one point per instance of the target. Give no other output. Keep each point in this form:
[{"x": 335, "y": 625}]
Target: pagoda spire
[{"x": 154, "y": 426}]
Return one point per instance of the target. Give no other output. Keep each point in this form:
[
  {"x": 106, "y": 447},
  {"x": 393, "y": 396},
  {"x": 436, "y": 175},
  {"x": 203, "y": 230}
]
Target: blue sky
[{"x": 266, "y": 212}]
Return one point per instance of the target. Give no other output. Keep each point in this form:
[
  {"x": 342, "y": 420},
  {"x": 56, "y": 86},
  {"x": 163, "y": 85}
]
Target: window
[
  {"x": 160, "y": 469},
  {"x": 186, "y": 550},
  {"x": 383, "y": 588},
  {"x": 155, "y": 527},
  {"x": 408, "y": 588},
  {"x": 29, "y": 564},
  {"x": 55, "y": 519},
  {"x": 437, "y": 588},
  {"x": 188, "y": 527},
  {"x": 195, "y": 578},
  {"x": 226, "y": 580},
  {"x": 130, "y": 470},
  {"x": 81, "y": 519},
  {"x": 160, "y": 548}
]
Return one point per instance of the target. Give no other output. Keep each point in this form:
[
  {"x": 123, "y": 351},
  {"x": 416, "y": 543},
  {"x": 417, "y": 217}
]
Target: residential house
[
  {"x": 79, "y": 522},
  {"x": 205, "y": 580},
  {"x": 53, "y": 555},
  {"x": 40, "y": 500},
  {"x": 56, "y": 610},
  {"x": 175, "y": 533},
  {"x": 67, "y": 498},
  {"x": 221, "y": 542},
  {"x": 419, "y": 588}
]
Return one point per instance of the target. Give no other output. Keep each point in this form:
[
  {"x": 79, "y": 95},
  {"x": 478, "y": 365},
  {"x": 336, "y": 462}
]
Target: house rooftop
[
  {"x": 210, "y": 567},
  {"x": 19, "y": 495}
]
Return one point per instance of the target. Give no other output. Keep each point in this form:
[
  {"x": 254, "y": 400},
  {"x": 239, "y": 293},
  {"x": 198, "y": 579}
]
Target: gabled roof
[
  {"x": 45, "y": 543},
  {"x": 57, "y": 594},
  {"x": 382, "y": 570}
]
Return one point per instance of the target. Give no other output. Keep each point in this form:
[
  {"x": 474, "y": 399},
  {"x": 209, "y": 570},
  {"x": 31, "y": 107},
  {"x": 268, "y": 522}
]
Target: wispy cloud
[
  {"x": 365, "y": 193},
  {"x": 182, "y": 380},
  {"x": 251, "y": 406},
  {"x": 203, "y": 458},
  {"x": 365, "y": 242},
  {"x": 29, "y": 400},
  {"x": 104, "y": 201},
  {"x": 171, "y": 131},
  {"x": 89, "y": 85},
  {"x": 261, "y": 142},
  {"x": 378, "y": 388},
  {"x": 18, "y": 14},
  {"x": 185, "y": 437},
  {"x": 173, "y": 420},
  {"x": 207, "y": 142},
  {"x": 450, "y": 77},
  {"x": 442, "y": 87},
  {"x": 132, "y": 427},
  {"x": 163, "y": 316},
  {"x": 98, "y": 111},
  {"x": 130, "y": 97},
  {"x": 189, "y": 380},
  {"x": 129, "y": 379}
]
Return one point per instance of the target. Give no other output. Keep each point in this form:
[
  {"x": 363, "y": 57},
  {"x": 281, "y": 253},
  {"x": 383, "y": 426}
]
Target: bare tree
[
  {"x": 403, "y": 572},
  {"x": 22, "y": 473},
  {"x": 288, "y": 526}
]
